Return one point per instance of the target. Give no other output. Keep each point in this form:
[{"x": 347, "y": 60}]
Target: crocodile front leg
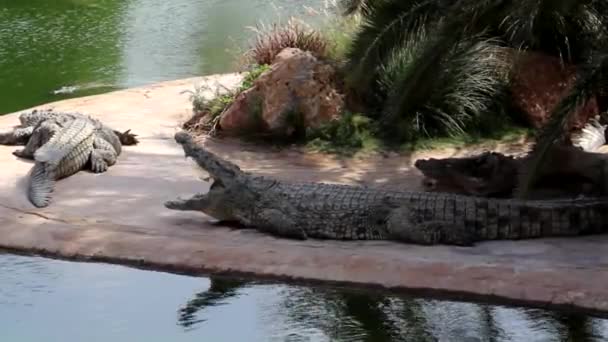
[
  {"x": 103, "y": 155},
  {"x": 279, "y": 223},
  {"x": 402, "y": 225},
  {"x": 98, "y": 164}
]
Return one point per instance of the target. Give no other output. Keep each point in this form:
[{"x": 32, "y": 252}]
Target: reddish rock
[
  {"x": 296, "y": 84},
  {"x": 540, "y": 82},
  {"x": 240, "y": 115}
]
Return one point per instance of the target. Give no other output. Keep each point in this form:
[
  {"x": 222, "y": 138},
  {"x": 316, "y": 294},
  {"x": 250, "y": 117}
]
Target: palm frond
[
  {"x": 591, "y": 78},
  {"x": 452, "y": 54},
  {"x": 463, "y": 86},
  {"x": 388, "y": 24},
  {"x": 351, "y": 7},
  {"x": 566, "y": 29}
]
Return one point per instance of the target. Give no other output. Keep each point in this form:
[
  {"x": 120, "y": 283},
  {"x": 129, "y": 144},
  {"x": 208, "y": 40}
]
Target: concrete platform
[{"x": 119, "y": 217}]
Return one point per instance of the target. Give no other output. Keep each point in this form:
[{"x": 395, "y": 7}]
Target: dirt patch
[{"x": 383, "y": 169}]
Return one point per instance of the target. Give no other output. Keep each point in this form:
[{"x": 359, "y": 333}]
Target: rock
[
  {"x": 298, "y": 89},
  {"x": 240, "y": 115},
  {"x": 539, "y": 83}
]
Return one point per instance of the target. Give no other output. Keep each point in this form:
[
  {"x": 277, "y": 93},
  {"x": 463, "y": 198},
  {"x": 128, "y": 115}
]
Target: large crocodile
[
  {"x": 29, "y": 121},
  {"x": 569, "y": 170},
  {"x": 329, "y": 211},
  {"x": 62, "y": 144},
  {"x": 67, "y": 151}
]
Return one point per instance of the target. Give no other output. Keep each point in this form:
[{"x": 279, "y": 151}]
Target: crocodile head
[
  {"x": 220, "y": 202},
  {"x": 481, "y": 165},
  {"x": 228, "y": 194},
  {"x": 482, "y": 174}
]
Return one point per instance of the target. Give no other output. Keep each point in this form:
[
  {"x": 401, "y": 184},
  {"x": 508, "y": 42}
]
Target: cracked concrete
[{"x": 119, "y": 217}]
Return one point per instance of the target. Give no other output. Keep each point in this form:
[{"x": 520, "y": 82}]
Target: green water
[
  {"x": 102, "y": 45},
  {"x": 50, "y": 300}
]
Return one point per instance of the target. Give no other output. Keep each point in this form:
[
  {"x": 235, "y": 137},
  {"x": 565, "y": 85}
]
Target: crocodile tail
[
  {"x": 64, "y": 141},
  {"x": 41, "y": 185}
]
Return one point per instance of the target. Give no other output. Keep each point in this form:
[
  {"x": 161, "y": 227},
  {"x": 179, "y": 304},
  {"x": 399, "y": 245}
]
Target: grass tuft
[
  {"x": 207, "y": 110},
  {"x": 270, "y": 41}
]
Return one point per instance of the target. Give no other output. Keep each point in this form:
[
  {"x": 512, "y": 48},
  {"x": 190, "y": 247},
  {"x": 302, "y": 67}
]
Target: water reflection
[
  {"x": 220, "y": 290},
  {"x": 50, "y": 300},
  {"x": 319, "y": 314}
]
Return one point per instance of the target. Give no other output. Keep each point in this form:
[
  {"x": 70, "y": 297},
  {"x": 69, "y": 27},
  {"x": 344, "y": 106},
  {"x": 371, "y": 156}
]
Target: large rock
[
  {"x": 297, "y": 90},
  {"x": 240, "y": 115},
  {"x": 539, "y": 83}
]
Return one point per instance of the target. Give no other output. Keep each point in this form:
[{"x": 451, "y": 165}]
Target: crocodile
[
  {"x": 29, "y": 121},
  {"x": 61, "y": 145},
  {"x": 569, "y": 171},
  {"x": 575, "y": 168},
  {"x": 488, "y": 174},
  {"x": 344, "y": 212},
  {"x": 66, "y": 152}
]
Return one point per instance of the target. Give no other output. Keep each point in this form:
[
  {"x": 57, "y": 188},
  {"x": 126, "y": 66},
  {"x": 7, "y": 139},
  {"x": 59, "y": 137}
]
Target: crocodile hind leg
[
  {"x": 402, "y": 225},
  {"x": 37, "y": 137},
  {"x": 18, "y": 136}
]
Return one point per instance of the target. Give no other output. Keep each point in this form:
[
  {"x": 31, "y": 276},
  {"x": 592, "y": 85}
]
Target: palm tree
[{"x": 442, "y": 66}]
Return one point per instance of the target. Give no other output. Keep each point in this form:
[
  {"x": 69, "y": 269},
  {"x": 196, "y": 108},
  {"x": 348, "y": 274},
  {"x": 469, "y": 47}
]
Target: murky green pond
[
  {"x": 49, "y": 46},
  {"x": 49, "y": 300}
]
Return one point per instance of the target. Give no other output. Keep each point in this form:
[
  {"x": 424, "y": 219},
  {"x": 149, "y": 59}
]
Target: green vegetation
[
  {"x": 433, "y": 68},
  {"x": 356, "y": 133},
  {"x": 218, "y": 103},
  {"x": 252, "y": 75},
  {"x": 440, "y": 45},
  {"x": 339, "y": 32},
  {"x": 422, "y": 73},
  {"x": 351, "y": 133},
  {"x": 207, "y": 109}
]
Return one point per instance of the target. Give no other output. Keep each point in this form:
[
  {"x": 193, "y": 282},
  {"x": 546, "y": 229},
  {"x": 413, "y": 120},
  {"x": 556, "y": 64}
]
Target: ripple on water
[{"x": 22, "y": 279}]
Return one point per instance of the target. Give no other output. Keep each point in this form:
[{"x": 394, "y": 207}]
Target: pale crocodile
[
  {"x": 32, "y": 120},
  {"x": 67, "y": 151},
  {"x": 62, "y": 144},
  {"x": 328, "y": 211}
]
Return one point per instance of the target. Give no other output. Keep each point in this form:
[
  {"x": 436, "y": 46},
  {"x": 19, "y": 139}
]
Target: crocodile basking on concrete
[
  {"x": 570, "y": 170},
  {"x": 328, "y": 211},
  {"x": 62, "y": 144},
  {"x": 30, "y": 121}
]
